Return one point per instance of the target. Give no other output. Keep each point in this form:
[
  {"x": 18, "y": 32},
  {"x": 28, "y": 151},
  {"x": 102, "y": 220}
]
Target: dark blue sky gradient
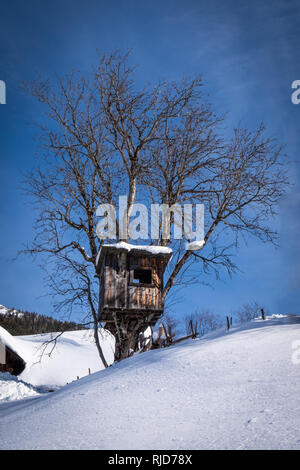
[{"x": 248, "y": 54}]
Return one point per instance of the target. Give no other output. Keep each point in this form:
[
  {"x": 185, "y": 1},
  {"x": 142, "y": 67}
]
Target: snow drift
[{"x": 12, "y": 388}]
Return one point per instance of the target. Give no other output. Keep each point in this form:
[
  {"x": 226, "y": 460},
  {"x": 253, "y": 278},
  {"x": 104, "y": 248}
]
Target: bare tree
[
  {"x": 248, "y": 312},
  {"x": 201, "y": 322},
  {"x": 164, "y": 144},
  {"x": 170, "y": 325}
]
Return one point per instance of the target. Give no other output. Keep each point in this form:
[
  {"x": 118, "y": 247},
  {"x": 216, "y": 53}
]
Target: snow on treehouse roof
[{"x": 151, "y": 249}]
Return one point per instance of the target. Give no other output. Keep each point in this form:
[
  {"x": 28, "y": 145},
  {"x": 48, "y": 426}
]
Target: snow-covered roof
[
  {"x": 13, "y": 343},
  {"x": 151, "y": 249}
]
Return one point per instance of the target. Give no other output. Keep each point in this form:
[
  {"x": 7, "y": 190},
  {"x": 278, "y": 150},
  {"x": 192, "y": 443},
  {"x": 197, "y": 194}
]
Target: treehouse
[{"x": 131, "y": 281}]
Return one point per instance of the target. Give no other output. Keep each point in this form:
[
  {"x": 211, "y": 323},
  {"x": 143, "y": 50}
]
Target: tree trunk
[
  {"x": 98, "y": 345},
  {"x": 126, "y": 333}
]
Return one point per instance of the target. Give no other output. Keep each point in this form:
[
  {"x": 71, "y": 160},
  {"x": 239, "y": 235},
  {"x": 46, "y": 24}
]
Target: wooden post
[
  {"x": 191, "y": 327},
  {"x": 89, "y": 371},
  {"x": 262, "y": 314},
  {"x": 227, "y": 322}
]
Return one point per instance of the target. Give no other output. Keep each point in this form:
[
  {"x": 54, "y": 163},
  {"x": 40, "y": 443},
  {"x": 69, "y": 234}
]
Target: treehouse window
[{"x": 142, "y": 276}]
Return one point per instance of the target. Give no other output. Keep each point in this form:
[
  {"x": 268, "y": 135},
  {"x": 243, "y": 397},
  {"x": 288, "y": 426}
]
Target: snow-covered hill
[
  {"x": 22, "y": 322},
  {"x": 236, "y": 390},
  {"x": 10, "y": 311}
]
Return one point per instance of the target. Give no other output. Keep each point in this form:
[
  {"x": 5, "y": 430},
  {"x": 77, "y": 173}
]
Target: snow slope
[{"x": 236, "y": 390}]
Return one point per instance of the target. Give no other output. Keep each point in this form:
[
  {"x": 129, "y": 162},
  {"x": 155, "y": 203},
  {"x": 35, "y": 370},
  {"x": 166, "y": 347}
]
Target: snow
[
  {"x": 74, "y": 354},
  {"x": 13, "y": 343},
  {"x": 3, "y": 310},
  {"x": 147, "y": 337},
  {"x": 153, "y": 249},
  {"x": 227, "y": 390},
  {"x": 13, "y": 311},
  {"x": 196, "y": 245},
  {"x": 12, "y": 388}
]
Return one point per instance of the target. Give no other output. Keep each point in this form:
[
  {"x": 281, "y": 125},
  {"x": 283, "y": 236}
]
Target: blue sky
[{"x": 248, "y": 54}]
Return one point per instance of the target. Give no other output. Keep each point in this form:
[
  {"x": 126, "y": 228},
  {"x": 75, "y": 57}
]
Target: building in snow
[
  {"x": 131, "y": 281},
  {"x": 10, "y": 358}
]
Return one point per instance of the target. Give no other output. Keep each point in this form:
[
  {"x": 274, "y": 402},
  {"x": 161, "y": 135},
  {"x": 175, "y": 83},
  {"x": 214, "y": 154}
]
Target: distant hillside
[{"x": 19, "y": 322}]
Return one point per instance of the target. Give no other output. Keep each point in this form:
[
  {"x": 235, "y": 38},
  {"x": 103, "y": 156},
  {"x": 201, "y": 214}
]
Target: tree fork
[{"x": 126, "y": 333}]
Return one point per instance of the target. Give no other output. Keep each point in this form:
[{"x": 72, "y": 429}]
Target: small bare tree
[
  {"x": 192, "y": 326},
  {"x": 164, "y": 144},
  {"x": 171, "y": 328},
  {"x": 201, "y": 322},
  {"x": 248, "y": 312}
]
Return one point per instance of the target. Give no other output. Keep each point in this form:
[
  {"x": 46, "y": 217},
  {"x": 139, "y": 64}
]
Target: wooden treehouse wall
[{"x": 118, "y": 290}]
